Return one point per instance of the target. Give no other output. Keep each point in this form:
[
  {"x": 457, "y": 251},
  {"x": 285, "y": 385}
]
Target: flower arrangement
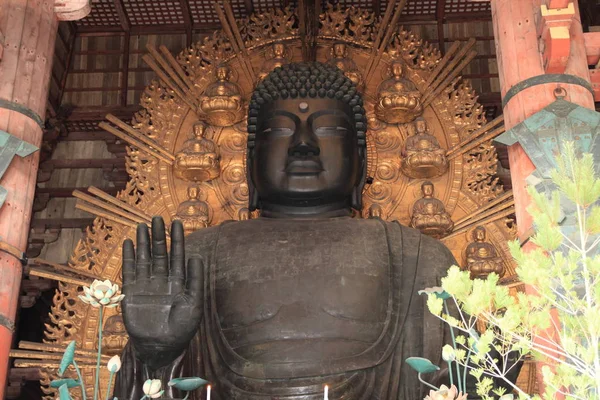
[
  {"x": 563, "y": 271},
  {"x": 101, "y": 295}
]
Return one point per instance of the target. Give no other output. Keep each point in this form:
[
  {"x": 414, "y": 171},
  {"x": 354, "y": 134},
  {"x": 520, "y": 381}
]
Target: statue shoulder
[
  {"x": 201, "y": 241},
  {"x": 430, "y": 249}
]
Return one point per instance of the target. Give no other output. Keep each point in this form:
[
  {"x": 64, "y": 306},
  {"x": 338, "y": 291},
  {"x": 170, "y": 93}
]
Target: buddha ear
[
  {"x": 253, "y": 197},
  {"x": 358, "y": 189}
]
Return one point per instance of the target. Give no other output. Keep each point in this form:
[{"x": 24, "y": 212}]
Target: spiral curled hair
[{"x": 301, "y": 80}]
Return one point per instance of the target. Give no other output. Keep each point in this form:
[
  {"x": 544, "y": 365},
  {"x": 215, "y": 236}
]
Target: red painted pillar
[
  {"x": 29, "y": 29},
  {"x": 532, "y": 38}
]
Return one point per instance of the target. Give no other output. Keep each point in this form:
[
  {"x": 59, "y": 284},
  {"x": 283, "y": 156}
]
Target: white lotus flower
[
  {"x": 152, "y": 387},
  {"x": 448, "y": 353},
  {"x": 446, "y": 393},
  {"x": 114, "y": 364},
  {"x": 102, "y": 294}
]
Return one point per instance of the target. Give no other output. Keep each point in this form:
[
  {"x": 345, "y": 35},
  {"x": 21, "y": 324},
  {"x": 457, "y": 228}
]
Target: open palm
[{"x": 162, "y": 307}]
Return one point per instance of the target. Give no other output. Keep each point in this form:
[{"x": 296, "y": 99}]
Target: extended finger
[
  {"x": 195, "y": 278},
  {"x": 177, "y": 270},
  {"x": 128, "y": 269},
  {"x": 142, "y": 270},
  {"x": 159, "y": 248}
]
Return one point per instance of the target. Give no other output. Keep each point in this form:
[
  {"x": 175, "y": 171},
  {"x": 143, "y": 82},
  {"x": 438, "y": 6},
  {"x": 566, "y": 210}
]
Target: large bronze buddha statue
[{"x": 302, "y": 296}]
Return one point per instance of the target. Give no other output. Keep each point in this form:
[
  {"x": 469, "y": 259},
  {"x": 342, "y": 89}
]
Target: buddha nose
[{"x": 303, "y": 148}]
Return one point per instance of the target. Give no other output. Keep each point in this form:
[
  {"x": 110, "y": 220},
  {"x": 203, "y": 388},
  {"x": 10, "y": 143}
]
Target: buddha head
[
  {"x": 479, "y": 234},
  {"x": 306, "y": 142},
  {"x": 420, "y": 125},
  {"x": 222, "y": 73},
  {"x": 199, "y": 130},
  {"x": 339, "y": 50},
  {"x": 279, "y": 50},
  {"x": 427, "y": 189},
  {"x": 396, "y": 70}
]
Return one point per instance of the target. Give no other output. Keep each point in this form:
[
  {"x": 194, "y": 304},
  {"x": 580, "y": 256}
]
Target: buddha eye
[
  {"x": 338, "y": 131},
  {"x": 277, "y": 131}
]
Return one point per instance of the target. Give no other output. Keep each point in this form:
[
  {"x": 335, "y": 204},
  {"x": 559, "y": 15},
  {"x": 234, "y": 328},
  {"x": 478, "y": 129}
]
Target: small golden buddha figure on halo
[
  {"x": 422, "y": 156},
  {"x": 277, "y": 56},
  {"x": 398, "y": 100},
  {"x": 198, "y": 160},
  {"x": 193, "y": 213},
  {"x": 339, "y": 58},
  {"x": 114, "y": 336},
  {"x": 482, "y": 258},
  {"x": 429, "y": 214},
  {"x": 221, "y": 103}
]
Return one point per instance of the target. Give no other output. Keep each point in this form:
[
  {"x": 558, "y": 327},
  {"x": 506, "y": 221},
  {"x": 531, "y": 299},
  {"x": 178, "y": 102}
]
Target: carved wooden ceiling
[{"x": 144, "y": 16}]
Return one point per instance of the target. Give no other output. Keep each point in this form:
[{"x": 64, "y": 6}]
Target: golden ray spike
[
  {"x": 107, "y": 206},
  {"x": 58, "y": 277},
  {"x": 169, "y": 70},
  {"x": 440, "y": 66},
  {"x": 482, "y": 215},
  {"x": 57, "y": 348},
  {"x": 238, "y": 36},
  {"x": 488, "y": 136},
  {"x": 449, "y": 66},
  {"x": 151, "y": 149},
  {"x": 21, "y": 363},
  {"x": 478, "y": 132},
  {"x": 107, "y": 215},
  {"x": 505, "y": 196},
  {"x": 37, "y": 355},
  {"x": 492, "y": 218},
  {"x": 449, "y": 78},
  {"x": 66, "y": 268},
  {"x": 167, "y": 81},
  {"x": 119, "y": 203},
  {"x": 176, "y": 66},
  {"x": 384, "y": 22},
  {"x": 390, "y": 30},
  {"x": 233, "y": 40}
]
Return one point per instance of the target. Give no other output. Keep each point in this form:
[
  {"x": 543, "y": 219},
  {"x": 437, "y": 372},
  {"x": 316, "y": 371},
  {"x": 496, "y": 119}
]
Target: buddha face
[
  {"x": 193, "y": 192},
  {"x": 278, "y": 50},
  {"x": 199, "y": 130},
  {"x": 427, "y": 189},
  {"x": 306, "y": 153},
  {"x": 222, "y": 73},
  {"x": 479, "y": 234},
  {"x": 421, "y": 126},
  {"x": 339, "y": 50},
  {"x": 396, "y": 70}
]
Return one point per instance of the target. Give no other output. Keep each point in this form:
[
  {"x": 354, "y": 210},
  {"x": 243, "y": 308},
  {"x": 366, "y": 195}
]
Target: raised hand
[{"x": 163, "y": 302}]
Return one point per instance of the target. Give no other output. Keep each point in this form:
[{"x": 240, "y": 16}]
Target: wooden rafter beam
[
  {"x": 61, "y": 223},
  {"x": 123, "y": 18},
  {"x": 439, "y": 16},
  {"x": 187, "y": 18},
  {"x": 249, "y": 7},
  {"x": 125, "y": 71},
  {"x": 65, "y": 192}
]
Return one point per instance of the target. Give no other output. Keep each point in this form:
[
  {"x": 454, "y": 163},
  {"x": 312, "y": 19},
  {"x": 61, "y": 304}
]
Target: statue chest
[{"x": 316, "y": 283}]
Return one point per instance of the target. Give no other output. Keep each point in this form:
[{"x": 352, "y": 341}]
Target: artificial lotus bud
[
  {"x": 151, "y": 388},
  {"x": 448, "y": 353},
  {"x": 114, "y": 364}
]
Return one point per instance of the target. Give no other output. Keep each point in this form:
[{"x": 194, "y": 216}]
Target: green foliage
[
  {"x": 187, "y": 384},
  {"x": 71, "y": 383},
  {"x": 422, "y": 365},
  {"x": 67, "y": 358},
  {"x": 63, "y": 392},
  {"x": 564, "y": 271}
]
